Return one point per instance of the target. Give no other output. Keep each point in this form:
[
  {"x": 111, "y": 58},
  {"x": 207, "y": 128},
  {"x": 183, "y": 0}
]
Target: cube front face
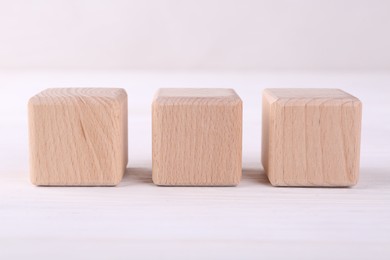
[
  {"x": 197, "y": 137},
  {"x": 311, "y": 137},
  {"x": 78, "y": 137}
]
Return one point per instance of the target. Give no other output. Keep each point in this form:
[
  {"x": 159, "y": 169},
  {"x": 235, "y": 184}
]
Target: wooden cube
[
  {"x": 78, "y": 137},
  {"x": 311, "y": 137},
  {"x": 197, "y": 137}
]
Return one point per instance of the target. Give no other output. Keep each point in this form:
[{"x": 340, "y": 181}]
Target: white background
[
  {"x": 202, "y": 34},
  {"x": 145, "y": 45}
]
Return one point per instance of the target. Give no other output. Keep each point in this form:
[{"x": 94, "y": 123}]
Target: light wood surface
[
  {"x": 311, "y": 137},
  {"x": 197, "y": 137},
  {"x": 78, "y": 136},
  {"x": 138, "y": 220}
]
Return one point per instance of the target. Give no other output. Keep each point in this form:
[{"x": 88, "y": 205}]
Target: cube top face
[
  {"x": 196, "y": 96},
  {"x": 91, "y": 95},
  {"x": 196, "y": 92},
  {"x": 311, "y": 137},
  {"x": 78, "y": 137},
  {"x": 197, "y": 137},
  {"x": 309, "y": 93}
]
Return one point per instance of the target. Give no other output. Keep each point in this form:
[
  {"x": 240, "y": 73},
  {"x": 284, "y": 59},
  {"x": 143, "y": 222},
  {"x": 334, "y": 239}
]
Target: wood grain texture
[
  {"x": 311, "y": 137},
  {"x": 197, "y": 137},
  {"x": 78, "y": 136}
]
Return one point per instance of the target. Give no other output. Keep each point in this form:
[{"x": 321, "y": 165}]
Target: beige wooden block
[
  {"x": 78, "y": 137},
  {"x": 197, "y": 137},
  {"x": 311, "y": 137}
]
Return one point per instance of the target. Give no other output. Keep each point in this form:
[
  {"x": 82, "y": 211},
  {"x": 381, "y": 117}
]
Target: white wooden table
[{"x": 138, "y": 220}]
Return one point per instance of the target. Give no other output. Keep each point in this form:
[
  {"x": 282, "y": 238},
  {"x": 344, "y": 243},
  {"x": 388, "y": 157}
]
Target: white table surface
[{"x": 138, "y": 220}]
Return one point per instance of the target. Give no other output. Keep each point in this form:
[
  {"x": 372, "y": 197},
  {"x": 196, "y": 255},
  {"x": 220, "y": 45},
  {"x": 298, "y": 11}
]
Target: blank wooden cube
[
  {"x": 78, "y": 137},
  {"x": 311, "y": 137},
  {"x": 197, "y": 137}
]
